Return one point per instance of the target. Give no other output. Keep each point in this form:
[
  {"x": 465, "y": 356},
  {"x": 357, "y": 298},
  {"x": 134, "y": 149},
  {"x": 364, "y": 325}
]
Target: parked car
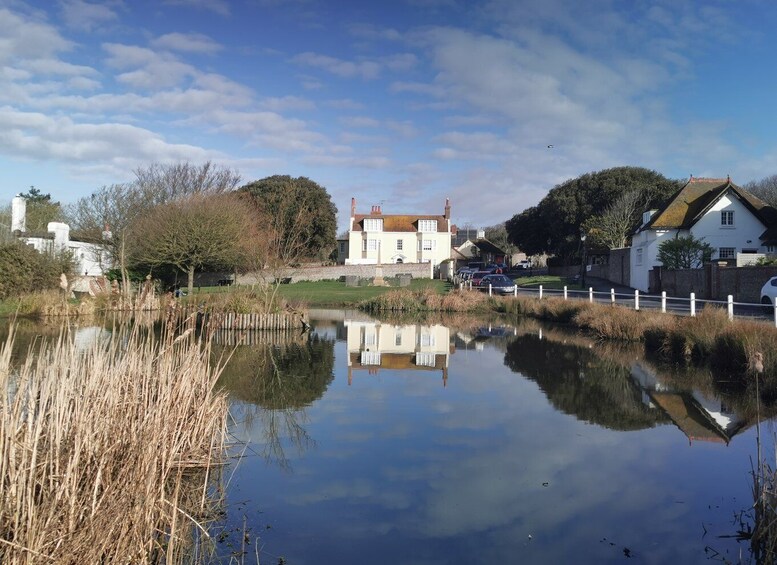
[
  {"x": 769, "y": 292},
  {"x": 477, "y": 276},
  {"x": 499, "y": 283},
  {"x": 525, "y": 264}
]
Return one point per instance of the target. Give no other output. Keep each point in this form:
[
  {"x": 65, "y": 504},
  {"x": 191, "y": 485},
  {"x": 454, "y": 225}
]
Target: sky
[{"x": 398, "y": 103}]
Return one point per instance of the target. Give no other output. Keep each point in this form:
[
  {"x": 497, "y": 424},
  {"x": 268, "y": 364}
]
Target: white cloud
[
  {"x": 339, "y": 67},
  {"x": 27, "y": 39},
  {"x": 187, "y": 43},
  {"x": 220, "y": 7},
  {"x": 360, "y": 122},
  {"x": 86, "y": 15}
]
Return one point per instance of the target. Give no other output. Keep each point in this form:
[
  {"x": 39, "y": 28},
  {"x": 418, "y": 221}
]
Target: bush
[{"x": 24, "y": 270}]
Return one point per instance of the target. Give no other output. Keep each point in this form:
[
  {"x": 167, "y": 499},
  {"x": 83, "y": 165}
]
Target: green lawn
[
  {"x": 547, "y": 281},
  {"x": 335, "y": 293}
]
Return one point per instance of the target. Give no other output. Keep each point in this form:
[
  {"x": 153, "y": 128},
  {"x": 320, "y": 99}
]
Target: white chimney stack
[{"x": 19, "y": 213}]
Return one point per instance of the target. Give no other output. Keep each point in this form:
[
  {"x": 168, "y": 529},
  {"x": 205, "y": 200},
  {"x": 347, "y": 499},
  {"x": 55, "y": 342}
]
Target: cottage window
[
  {"x": 427, "y": 340},
  {"x": 639, "y": 256},
  {"x": 727, "y": 218},
  {"x": 373, "y": 224},
  {"x": 342, "y": 247},
  {"x": 372, "y": 245},
  {"x": 398, "y": 338},
  {"x": 727, "y": 252},
  {"x": 427, "y": 245},
  {"x": 399, "y": 245},
  {"x": 770, "y": 248},
  {"x": 427, "y": 226}
]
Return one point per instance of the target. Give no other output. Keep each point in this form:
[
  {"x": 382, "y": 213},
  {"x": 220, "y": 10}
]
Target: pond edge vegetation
[{"x": 736, "y": 347}]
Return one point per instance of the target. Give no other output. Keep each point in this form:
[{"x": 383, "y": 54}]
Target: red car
[{"x": 477, "y": 277}]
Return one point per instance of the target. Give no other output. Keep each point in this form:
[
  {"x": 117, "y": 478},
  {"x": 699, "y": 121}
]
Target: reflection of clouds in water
[
  {"x": 358, "y": 490},
  {"x": 90, "y": 336}
]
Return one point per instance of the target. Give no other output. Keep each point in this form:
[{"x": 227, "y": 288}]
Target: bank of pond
[{"x": 380, "y": 439}]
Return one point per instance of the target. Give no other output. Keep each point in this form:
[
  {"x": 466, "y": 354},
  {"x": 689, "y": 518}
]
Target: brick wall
[
  {"x": 619, "y": 268},
  {"x": 335, "y": 272},
  {"x": 716, "y": 282}
]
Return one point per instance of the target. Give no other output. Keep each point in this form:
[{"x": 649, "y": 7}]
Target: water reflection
[
  {"x": 374, "y": 345},
  {"x": 522, "y": 448}
]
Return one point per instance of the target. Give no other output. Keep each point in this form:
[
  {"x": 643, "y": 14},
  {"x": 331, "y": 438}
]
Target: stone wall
[{"x": 336, "y": 272}]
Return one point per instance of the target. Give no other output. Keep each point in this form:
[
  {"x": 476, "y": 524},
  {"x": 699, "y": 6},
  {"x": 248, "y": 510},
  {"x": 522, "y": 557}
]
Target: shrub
[{"x": 24, "y": 270}]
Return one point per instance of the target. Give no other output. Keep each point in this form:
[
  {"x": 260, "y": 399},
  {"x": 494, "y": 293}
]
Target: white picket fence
[{"x": 675, "y": 305}]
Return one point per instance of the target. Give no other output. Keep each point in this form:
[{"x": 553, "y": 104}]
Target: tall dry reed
[
  {"x": 427, "y": 300},
  {"x": 107, "y": 455}
]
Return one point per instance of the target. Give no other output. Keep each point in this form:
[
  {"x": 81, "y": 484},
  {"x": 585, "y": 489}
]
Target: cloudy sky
[{"x": 395, "y": 102}]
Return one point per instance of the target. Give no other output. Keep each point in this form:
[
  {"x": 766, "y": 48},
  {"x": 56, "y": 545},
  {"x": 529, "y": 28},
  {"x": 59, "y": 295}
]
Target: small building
[
  {"x": 377, "y": 238},
  {"x": 720, "y": 213},
  {"x": 91, "y": 259}
]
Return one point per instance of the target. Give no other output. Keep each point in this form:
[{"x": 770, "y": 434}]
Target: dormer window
[
  {"x": 427, "y": 226},
  {"x": 727, "y": 218},
  {"x": 373, "y": 224}
]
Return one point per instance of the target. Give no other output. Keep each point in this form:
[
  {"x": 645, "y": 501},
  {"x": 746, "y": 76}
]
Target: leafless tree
[
  {"x": 765, "y": 189},
  {"x": 107, "y": 215},
  {"x": 613, "y": 226},
  {"x": 213, "y": 231}
]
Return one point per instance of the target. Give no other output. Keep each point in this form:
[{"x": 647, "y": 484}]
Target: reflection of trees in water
[
  {"x": 278, "y": 382},
  {"x": 579, "y": 382}
]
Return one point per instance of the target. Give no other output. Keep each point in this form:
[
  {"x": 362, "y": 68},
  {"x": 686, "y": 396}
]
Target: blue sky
[{"x": 401, "y": 103}]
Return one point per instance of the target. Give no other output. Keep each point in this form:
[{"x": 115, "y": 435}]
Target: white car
[{"x": 769, "y": 291}]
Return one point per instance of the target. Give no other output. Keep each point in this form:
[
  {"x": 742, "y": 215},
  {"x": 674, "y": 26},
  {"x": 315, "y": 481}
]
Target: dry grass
[
  {"x": 428, "y": 300},
  {"x": 107, "y": 455}
]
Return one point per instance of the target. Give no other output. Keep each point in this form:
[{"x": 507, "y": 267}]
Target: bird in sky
[{"x": 550, "y": 147}]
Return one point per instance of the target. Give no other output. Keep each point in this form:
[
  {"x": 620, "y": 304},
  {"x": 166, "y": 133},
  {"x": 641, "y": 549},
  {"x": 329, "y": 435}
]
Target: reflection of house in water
[
  {"x": 373, "y": 345},
  {"x": 699, "y": 417}
]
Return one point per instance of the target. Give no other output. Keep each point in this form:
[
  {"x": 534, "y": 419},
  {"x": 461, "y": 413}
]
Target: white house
[
  {"x": 377, "y": 238},
  {"x": 91, "y": 259},
  {"x": 720, "y": 213}
]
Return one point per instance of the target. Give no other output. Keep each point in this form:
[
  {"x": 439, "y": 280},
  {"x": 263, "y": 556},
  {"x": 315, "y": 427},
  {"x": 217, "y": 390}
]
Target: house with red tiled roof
[
  {"x": 377, "y": 238},
  {"x": 722, "y": 214}
]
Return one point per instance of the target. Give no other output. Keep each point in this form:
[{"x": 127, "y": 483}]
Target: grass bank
[
  {"x": 108, "y": 454},
  {"x": 428, "y": 300},
  {"x": 735, "y": 347}
]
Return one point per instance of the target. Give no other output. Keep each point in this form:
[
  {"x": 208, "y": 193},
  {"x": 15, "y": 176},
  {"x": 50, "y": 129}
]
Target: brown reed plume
[{"x": 108, "y": 454}]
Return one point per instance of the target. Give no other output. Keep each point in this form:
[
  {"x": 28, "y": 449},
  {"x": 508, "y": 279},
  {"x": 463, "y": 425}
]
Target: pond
[{"x": 465, "y": 441}]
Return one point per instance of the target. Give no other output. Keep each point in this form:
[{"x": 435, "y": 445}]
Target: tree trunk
[{"x": 191, "y": 280}]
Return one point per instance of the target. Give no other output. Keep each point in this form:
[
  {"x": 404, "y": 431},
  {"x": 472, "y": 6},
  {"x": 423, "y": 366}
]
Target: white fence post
[
  {"x": 489, "y": 289},
  {"x": 470, "y": 284},
  {"x": 663, "y": 302},
  {"x": 612, "y": 295},
  {"x": 565, "y": 292},
  {"x": 730, "y": 307},
  {"x": 590, "y": 294},
  {"x": 636, "y": 300},
  {"x": 515, "y": 291},
  {"x": 461, "y": 286},
  {"x": 540, "y": 292},
  {"x": 693, "y": 304},
  {"x": 775, "y": 314}
]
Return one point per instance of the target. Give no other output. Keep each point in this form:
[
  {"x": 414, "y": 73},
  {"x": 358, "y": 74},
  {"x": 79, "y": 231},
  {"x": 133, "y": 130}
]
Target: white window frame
[
  {"x": 427, "y": 226},
  {"x": 427, "y": 245},
  {"x": 730, "y": 253},
  {"x": 372, "y": 245},
  {"x": 373, "y": 224},
  {"x": 727, "y": 218},
  {"x": 399, "y": 245},
  {"x": 638, "y": 260}
]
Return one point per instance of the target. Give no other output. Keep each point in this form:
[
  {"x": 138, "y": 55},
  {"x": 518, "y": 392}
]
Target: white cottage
[
  {"x": 724, "y": 215},
  {"x": 91, "y": 259}
]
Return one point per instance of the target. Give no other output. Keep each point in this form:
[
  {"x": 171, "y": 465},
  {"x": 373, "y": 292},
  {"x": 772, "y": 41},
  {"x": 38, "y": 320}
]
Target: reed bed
[
  {"x": 428, "y": 300},
  {"x": 109, "y": 454}
]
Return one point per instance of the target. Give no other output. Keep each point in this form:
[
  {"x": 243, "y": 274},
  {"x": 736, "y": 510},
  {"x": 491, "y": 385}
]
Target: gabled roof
[
  {"x": 399, "y": 223},
  {"x": 487, "y": 247},
  {"x": 698, "y": 195}
]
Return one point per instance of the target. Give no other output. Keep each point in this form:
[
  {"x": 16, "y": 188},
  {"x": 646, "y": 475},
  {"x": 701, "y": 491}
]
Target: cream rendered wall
[
  {"x": 386, "y": 247},
  {"x": 746, "y": 227}
]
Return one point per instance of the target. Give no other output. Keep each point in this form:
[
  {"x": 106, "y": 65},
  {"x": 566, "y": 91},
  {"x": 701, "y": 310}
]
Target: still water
[{"x": 474, "y": 442}]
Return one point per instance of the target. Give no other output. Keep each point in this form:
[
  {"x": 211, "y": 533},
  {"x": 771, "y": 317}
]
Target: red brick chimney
[
  {"x": 353, "y": 207},
  {"x": 447, "y": 209},
  {"x": 376, "y": 210}
]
